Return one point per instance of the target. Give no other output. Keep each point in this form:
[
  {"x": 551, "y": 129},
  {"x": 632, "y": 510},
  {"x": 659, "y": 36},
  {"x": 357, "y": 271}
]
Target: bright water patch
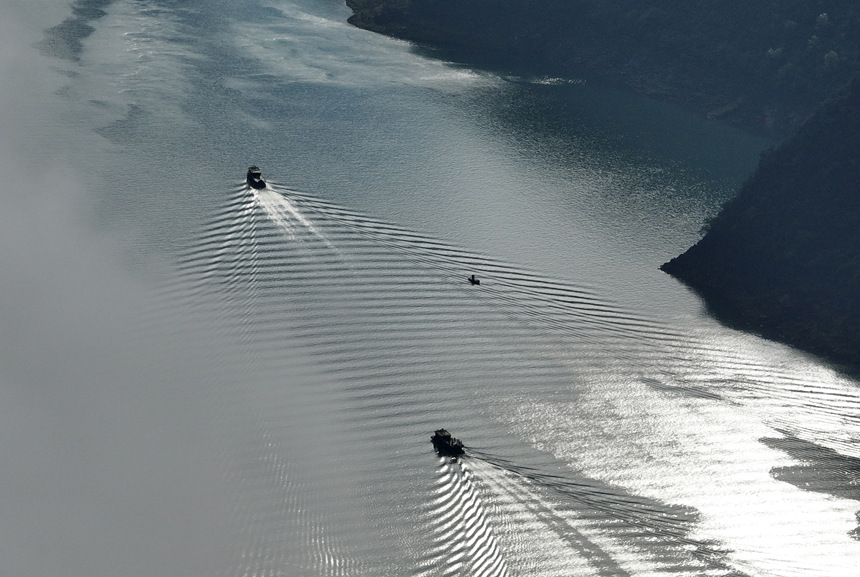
[
  {"x": 627, "y": 445},
  {"x": 298, "y": 43},
  {"x": 462, "y": 534},
  {"x": 411, "y": 343}
]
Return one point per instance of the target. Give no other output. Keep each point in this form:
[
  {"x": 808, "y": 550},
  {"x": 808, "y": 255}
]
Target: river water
[{"x": 204, "y": 379}]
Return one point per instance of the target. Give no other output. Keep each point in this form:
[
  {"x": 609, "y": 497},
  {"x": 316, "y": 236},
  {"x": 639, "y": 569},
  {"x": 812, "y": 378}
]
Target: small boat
[
  {"x": 446, "y": 445},
  {"x": 474, "y": 280},
  {"x": 255, "y": 178}
]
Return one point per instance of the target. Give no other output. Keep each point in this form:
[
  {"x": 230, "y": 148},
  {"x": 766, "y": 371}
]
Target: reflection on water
[
  {"x": 612, "y": 428},
  {"x": 628, "y": 445}
]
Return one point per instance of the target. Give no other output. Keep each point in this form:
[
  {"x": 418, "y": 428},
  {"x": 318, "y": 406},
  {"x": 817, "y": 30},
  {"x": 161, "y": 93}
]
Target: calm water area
[{"x": 200, "y": 378}]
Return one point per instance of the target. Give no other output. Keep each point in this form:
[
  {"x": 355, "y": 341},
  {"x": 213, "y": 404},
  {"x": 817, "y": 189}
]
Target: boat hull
[
  {"x": 446, "y": 445},
  {"x": 254, "y": 178}
]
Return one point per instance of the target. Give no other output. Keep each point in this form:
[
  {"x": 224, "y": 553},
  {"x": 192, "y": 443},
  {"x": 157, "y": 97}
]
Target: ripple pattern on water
[{"x": 398, "y": 343}]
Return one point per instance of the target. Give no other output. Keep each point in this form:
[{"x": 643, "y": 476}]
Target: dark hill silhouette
[
  {"x": 783, "y": 257},
  {"x": 765, "y": 65}
]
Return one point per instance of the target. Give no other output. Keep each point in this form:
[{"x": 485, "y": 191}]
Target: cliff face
[
  {"x": 783, "y": 257},
  {"x": 765, "y": 65}
]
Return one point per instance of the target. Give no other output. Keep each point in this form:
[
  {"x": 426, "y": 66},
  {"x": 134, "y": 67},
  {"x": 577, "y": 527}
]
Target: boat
[
  {"x": 446, "y": 445},
  {"x": 255, "y": 178},
  {"x": 474, "y": 280}
]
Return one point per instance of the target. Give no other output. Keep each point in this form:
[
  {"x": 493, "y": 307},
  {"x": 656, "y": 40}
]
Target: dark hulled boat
[
  {"x": 255, "y": 178},
  {"x": 447, "y": 445}
]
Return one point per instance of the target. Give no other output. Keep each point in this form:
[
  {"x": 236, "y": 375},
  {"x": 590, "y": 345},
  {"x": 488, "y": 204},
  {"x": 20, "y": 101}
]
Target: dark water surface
[{"x": 207, "y": 379}]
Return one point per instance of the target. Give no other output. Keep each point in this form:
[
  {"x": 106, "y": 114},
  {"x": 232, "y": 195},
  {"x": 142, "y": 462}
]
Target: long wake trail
[{"x": 390, "y": 315}]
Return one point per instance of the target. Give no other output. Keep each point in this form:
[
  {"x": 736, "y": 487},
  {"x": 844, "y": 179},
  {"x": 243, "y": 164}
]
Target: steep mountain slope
[
  {"x": 783, "y": 257},
  {"x": 764, "y": 65}
]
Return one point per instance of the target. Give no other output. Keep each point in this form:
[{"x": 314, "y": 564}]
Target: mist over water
[{"x": 203, "y": 379}]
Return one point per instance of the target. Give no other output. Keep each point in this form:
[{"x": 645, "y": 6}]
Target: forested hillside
[
  {"x": 783, "y": 257},
  {"x": 763, "y": 64}
]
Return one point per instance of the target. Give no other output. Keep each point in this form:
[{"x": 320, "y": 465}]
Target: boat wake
[
  {"x": 403, "y": 340},
  {"x": 462, "y": 534},
  {"x": 562, "y": 525},
  {"x": 282, "y": 212}
]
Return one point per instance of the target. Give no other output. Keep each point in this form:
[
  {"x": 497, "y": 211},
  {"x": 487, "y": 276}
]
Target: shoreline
[
  {"x": 733, "y": 75},
  {"x": 765, "y": 72}
]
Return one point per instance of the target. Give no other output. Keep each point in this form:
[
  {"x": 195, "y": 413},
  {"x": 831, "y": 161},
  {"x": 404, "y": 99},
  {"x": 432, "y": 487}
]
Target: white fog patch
[{"x": 107, "y": 469}]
